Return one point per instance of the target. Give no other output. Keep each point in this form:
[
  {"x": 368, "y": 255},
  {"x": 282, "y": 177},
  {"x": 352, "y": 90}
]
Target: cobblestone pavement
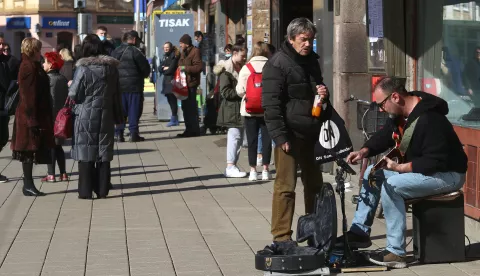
[{"x": 172, "y": 212}]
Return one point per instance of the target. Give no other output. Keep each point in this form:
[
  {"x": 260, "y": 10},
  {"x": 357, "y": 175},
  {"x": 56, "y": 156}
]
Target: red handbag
[{"x": 63, "y": 127}]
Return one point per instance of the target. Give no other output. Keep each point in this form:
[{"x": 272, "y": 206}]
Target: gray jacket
[{"x": 98, "y": 107}]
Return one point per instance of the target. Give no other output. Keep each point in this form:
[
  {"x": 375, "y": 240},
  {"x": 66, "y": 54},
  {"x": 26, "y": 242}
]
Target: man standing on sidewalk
[
  {"x": 291, "y": 80},
  {"x": 133, "y": 69},
  {"x": 102, "y": 34},
  {"x": 5, "y": 78},
  {"x": 191, "y": 63}
]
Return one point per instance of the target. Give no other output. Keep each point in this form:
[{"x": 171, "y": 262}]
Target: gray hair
[{"x": 299, "y": 26}]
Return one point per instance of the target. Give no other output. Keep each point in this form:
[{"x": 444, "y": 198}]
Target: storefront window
[{"x": 448, "y": 41}]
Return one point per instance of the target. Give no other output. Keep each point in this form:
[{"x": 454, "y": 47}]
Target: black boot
[
  {"x": 29, "y": 188},
  {"x": 136, "y": 138}
]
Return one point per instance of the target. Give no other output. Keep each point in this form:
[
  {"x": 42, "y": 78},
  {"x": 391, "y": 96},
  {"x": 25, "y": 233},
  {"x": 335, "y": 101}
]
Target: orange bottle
[{"x": 317, "y": 107}]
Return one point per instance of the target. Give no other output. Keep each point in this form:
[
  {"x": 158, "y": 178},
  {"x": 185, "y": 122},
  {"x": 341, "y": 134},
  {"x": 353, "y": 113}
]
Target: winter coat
[
  {"x": 33, "y": 126},
  {"x": 192, "y": 60},
  {"x": 289, "y": 89},
  {"x": 257, "y": 63},
  {"x": 59, "y": 93},
  {"x": 98, "y": 107},
  {"x": 169, "y": 60},
  {"x": 229, "y": 111},
  {"x": 5, "y": 77},
  {"x": 67, "y": 70},
  {"x": 133, "y": 69},
  {"x": 434, "y": 146}
]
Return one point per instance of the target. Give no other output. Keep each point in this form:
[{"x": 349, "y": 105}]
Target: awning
[{"x": 168, "y": 3}]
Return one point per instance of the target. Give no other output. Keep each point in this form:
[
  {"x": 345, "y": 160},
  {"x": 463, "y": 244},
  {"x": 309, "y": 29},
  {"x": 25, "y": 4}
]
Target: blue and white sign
[
  {"x": 59, "y": 23},
  {"x": 315, "y": 45},
  {"x": 19, "y": 22}
]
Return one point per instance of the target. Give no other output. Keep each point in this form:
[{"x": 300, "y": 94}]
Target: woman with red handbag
[
  {"x": 32, "y": 137},
  {"x": 98, "y": 107},
  {"x": 59, "y": 92}
]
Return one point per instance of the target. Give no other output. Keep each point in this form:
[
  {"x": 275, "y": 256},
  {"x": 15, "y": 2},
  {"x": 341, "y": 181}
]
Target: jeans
[
  {"x": 190, "y": 112},
  {"x": 260, "y": 142},
  {"x": 393, "y": 188},
  {"x": 132, "y": 107},
  {"x": 234, "y": 144},
  {"x": 255, "y": 125}
]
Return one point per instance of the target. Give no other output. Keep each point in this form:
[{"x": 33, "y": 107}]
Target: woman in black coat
[
  {"x": 168, "y": 67},
  {"x": 59, "y": 92}
]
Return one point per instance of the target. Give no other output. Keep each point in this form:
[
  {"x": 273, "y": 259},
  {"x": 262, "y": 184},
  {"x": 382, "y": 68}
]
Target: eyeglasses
[
  {"x": 6, "y": 50},
  {"x": 381, "y": 105}
]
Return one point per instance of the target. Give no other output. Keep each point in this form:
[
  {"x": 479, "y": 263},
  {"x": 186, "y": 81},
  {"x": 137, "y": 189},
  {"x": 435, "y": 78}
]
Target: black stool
[{"x": 439, "y": 228}]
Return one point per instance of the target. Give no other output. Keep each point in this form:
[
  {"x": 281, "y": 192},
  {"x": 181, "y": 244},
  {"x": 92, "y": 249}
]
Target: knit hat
[{"x": 186, "y": 39}]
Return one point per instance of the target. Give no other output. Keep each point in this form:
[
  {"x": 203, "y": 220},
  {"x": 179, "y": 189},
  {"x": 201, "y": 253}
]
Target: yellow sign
[{"x": 168, "y": 12}]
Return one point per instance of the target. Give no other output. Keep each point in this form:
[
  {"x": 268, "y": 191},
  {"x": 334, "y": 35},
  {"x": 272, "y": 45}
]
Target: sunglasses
[{"x": 381, "y": 104}]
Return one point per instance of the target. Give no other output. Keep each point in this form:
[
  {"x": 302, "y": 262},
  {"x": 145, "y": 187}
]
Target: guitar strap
[{"x": 407, "y": 136}]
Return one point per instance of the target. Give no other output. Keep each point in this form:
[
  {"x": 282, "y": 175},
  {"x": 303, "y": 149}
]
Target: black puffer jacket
[
  {"x": 98, "y": 107},
  {"x": 289, "y": 89},
  {"x": 58, "y": 91},
  {"x": 133, "y": 69}
]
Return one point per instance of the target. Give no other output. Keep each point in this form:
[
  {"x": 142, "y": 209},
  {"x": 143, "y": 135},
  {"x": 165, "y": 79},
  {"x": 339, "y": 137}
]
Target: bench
[{"x": 438, "y": 228}]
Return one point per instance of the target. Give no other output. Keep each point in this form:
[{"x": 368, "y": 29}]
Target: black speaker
[{"x": 439, "y": 230}]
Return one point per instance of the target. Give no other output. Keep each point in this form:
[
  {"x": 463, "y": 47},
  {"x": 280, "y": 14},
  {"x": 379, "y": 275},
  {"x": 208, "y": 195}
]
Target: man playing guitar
[{"x": 433, "y": 163}]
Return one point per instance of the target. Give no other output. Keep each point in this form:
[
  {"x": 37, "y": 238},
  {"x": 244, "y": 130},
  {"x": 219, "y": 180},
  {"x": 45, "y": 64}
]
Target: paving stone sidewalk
[{"x": 172, "y": 212}]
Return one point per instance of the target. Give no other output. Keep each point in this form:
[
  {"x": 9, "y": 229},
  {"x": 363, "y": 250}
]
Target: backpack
[{"x": 253, "y": 97}]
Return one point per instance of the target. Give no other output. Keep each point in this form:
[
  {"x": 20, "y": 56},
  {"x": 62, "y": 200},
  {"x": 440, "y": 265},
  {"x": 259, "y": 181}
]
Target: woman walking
[
  {"x": 32, "y": 137},
  {"x": 98, "y": 107},
  {"x": 68, "y": 64},
  {"x": 229, "y": 112},
  {"x": 58, "y": 92}
]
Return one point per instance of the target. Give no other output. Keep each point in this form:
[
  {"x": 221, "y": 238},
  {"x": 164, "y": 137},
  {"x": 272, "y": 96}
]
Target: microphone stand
[{"x": 341, "y": 173}]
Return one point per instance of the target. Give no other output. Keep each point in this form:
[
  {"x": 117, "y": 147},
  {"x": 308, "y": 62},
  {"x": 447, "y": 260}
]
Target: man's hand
[
  {"x": 394, "y": 166},
  {"x": 165, "y": 68},
  {"x": 470, "y": 91},
  {"x": 322, "y": 90},
  {"x": 391, "y": 165},
  {"x": 356, "y": 156},
  {"x": 286, "y": 147}
]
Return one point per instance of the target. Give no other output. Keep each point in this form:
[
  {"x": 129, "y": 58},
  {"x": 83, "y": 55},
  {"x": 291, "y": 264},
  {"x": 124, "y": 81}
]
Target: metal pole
[{"x": 137, "y": 15}]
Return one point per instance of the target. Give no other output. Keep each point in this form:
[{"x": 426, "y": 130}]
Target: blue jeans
[
  {"x": 393, "y": 188},
  {"x": 132, "y": 107}
]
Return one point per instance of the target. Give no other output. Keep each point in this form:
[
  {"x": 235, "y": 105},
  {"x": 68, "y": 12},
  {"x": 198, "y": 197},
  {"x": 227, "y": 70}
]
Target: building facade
[{"x": 55, "y": 22}]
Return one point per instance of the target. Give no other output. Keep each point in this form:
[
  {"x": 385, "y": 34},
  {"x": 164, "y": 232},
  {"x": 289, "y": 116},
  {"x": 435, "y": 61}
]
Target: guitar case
[{"x": 318, "y": 229}]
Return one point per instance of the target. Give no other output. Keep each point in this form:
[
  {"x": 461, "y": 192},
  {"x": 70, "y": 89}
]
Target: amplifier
[{"x": 439, "y": 230}]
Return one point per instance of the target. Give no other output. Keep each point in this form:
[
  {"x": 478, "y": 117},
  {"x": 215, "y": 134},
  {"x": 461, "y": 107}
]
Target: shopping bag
[
  {"x": 180, "y": 89},
  {"x": 333, "y": 141},
  {"x": 63, "y": 127}
]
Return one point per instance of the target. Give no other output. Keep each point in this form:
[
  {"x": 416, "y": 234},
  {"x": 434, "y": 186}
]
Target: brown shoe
[
  {"x": 388, "y": 259},
  {"x": 49, "y": 178},
  {"x": 64, "y": 177}
]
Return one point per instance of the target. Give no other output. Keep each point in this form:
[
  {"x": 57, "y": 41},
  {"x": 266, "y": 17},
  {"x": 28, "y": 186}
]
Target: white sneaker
[
  {"x": 259, "y": 161},
  {"x": 253, "y": 176},
  {"x": 234, "y": 172},
  {"x": 266, "y": 175}
]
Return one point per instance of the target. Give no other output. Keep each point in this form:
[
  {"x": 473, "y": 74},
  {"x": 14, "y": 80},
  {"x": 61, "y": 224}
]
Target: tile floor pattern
[{"x": 172, "y": 212}]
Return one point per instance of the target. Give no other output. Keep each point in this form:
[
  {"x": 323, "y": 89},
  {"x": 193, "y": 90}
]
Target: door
[
  {"x": 18, "y": 37},
  {"x": 65, "y": 38}
]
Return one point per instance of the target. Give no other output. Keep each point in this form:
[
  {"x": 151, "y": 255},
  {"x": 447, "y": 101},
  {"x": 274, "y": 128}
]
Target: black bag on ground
[{"x": 333, "y": 141}]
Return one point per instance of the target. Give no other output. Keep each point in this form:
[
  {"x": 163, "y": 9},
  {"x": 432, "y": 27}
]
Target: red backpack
[{"x": 253, "y": 97}]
